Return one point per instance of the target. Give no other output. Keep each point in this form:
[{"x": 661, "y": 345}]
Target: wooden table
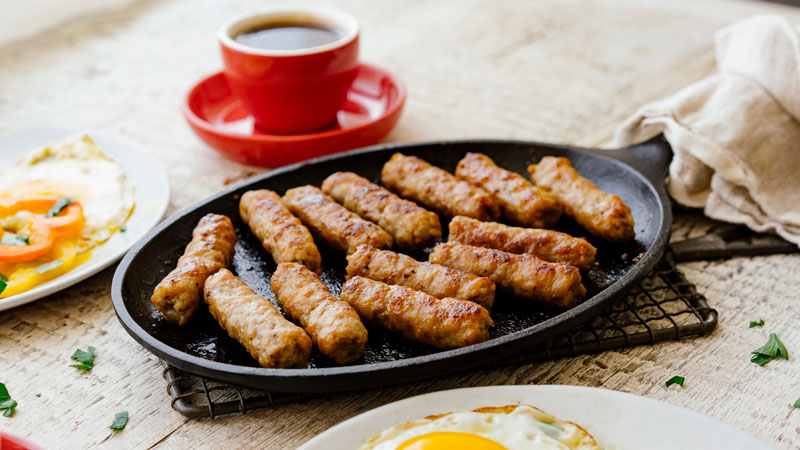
[{"x": 558, "y": 71}]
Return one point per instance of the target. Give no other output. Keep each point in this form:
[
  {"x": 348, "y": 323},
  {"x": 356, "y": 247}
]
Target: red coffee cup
[{"x": 291, "y": 91}]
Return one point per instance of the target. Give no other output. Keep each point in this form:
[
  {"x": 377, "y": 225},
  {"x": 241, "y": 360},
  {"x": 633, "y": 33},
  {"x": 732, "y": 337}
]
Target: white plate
[
  {"x": 142, "y": 170},
  {"x": 617, "y": 421}
]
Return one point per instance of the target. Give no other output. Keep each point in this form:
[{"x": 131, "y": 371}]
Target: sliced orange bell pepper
[
  {"x": 40, "y": 241},
  {"x": 70, "y": 219}
]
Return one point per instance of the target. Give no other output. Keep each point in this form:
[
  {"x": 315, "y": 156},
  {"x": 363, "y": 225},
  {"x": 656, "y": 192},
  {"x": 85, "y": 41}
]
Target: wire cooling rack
[{"x": 665, "y": 306}]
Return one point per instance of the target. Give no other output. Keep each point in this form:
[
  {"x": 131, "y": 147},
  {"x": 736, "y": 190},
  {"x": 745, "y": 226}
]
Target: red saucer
[{"x": 373, "y": 107}]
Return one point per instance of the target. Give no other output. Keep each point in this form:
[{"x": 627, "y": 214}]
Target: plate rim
[
  {"x": 430, "y": 400},
  {"x": 546, "y": 329},
  {"x": 84, "y": 271}
]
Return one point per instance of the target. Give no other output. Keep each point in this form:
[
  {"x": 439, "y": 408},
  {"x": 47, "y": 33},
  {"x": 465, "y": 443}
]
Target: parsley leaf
[
  {"x": 59, "y": 206},
  {"x": 3, "y": 283},
  {"x": 14, "y": 240},
  {"x": 120, "y": 420},
  {"x": 6, "y": 402},
  {"x": 123, "y": 228},
  {"x": 39, "y": 394},
  {"x": 49, "y": 266},
  {"x": 85, "y": 358},
  {"x": 773, "y": 349},
  {"x": 675, "y": 380},
  {"x": 760, "y": 323},
  {"x": 3, "y": 278},
  {"x": 797, "y": 403}
]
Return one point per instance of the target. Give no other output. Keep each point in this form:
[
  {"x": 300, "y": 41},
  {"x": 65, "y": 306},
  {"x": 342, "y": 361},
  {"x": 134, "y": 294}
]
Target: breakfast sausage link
[
  {"x": 255, "y": 323},
  {"x": 552, "y": 246},
  {"x": 443, "y": 323},
  {"x": 281, "y": 233},
  {"x": 602, "y": 214},
  {"x": 415, "y": 179},
  {"x": 439, "y": 281},
  {"x": 179, "y": 294},
  {"x": 338, "y": 227},
  {"x": 522, "y": 275},
  {"x": 520, "y": 202},
  {"x": 412, "y": 227},
  {"x": 334, "y": 326}
]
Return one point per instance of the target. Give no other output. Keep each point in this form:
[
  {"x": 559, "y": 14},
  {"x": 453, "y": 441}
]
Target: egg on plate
[
  {"x": 57, "y": 203},
  {"x": 513, "y": 427}
]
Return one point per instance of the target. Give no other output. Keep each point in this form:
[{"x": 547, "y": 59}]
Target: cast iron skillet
[{"x": 203, "y": 348}]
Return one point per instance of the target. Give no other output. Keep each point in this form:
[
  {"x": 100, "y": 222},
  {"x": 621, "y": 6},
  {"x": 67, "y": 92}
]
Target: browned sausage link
[
  {"x": 179, "y": 294},
  {"x": 549, "y": 245},
  {"x": 437, "y": 189},
  {"x": 600, "y": 213},
  {"x": 338, "y": 227},
  {"x": 334, "y": 326},
  {"x": 438, "y": 281},
  {"x": 522, "y": 275},
  {"x": 253, "y": 321},
  {"x": 281, "y": 233},
  {"x": 412, "y": 227},
  {"x": 520, "y": 202},
  {"x": 443, "y": 323}
]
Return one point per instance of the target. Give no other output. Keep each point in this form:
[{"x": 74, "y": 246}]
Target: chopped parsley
[
  {"x": 84, "y": 358},
  {"x": 3, "y": 282},
  {"x": 39, "y": 394},
  {"x": 675, "y": 380},
  {"x": 14, "y": 240},
  {"x": 797, "y": 403},
  {"x": 760, "y": 323},
  {"x": 49, "y": 266},
  {"x": 6, "y": 402},
  {"x": 120, "y": 420},
  {"x": 59, "y": 206},
  {"x": 773, "y": 349},
  {"x": 123, "y": 228}
]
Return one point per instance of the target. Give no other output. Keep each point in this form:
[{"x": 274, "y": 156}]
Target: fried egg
[
  {"x": 72, "y": 170},
  {"x": 493, "y": 428}
]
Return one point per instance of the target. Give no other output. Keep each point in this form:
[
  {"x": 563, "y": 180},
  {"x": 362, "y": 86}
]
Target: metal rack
[{"x": 665, "y": 306}]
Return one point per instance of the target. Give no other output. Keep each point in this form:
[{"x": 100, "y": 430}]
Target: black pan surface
[{"x": 203, "y": 348}]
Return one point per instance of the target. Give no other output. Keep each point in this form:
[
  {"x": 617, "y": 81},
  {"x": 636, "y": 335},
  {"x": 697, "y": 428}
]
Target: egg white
[
  {"x": 525, "y": 428},
  {"x": 96, "y": 180}
]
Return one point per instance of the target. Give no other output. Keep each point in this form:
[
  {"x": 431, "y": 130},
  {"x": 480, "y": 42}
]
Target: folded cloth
[{"x": 736, "y": 134}]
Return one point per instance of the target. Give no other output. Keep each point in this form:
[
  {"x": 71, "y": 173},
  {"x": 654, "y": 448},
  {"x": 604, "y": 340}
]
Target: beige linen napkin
[{"x": 736, "y": 134}]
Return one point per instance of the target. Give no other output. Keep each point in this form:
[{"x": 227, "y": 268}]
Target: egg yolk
[{"x": 446, "y": 440}]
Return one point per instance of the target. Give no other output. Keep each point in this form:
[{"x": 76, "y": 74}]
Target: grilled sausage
[
  {"x": 255, "y": 322},
  {"x": 522, "y": 275},
  {"x": 179, "y": 294},
  {"x": 549, "y": 245},
  {"x": 443, "y": 323},
  {"x": 412, "y": 227},
  {"x": 438, "y": 281},
  {"x": 602, "y": 214},
  {"x": 281, "y": 233},
  {"x": 334, "y": 326},
  {"x": 520, "y": 202},
  {"x": 415, "y": 179},
  {"x": 338, "y": 227}
]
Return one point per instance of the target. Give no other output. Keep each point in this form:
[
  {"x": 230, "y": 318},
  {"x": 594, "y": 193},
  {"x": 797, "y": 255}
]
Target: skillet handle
[{"x": 651, "y": 158}]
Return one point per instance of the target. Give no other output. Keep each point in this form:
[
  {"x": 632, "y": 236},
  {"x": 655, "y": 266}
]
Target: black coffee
[{"x": 288, "y": 36}]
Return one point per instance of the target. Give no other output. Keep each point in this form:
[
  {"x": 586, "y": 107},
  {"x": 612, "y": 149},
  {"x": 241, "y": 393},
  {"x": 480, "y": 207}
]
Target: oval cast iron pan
[{"x": 201, "y": 347}]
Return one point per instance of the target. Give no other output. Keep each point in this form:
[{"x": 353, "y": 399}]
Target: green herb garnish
[
  {"x": 3, "y": 283},
  {"x": 39, "y": 395},
  {"x": 797, "y": 403},
  {"x": 85, "y": 358},
  {"x": 675, "y": 380},
  {"x": 6, "y": 402},
  {"x": 773, "y": 349},
  {"x": 120, "y": 420},
  {"x": 59, "y": 206},
  {"x": 49, "y": 266},
  {"x": 760, "y": 323},
  {"x": 14, "y": 240},
  {"x": 123, "y": 228}
]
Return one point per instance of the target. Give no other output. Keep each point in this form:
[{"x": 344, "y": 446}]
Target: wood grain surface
[{"x": 563, "y": 71}]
